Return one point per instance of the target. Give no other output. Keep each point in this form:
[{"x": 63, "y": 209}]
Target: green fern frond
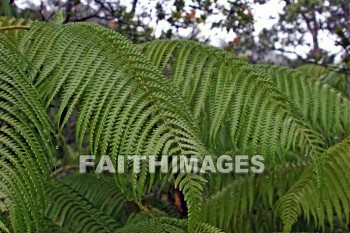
[
  {"x": 333, "y": 200},
  {"x": 14, "y": 27},
  {"x": 102, "y": 193},
  {"x": 289, "y": 191},
  {"x": 335, "y": 78},
  {"x": 3, "y": 227},
  {"x": 6, "y": 9},
  {"x": 191, "y": 186},
  {"x": 313, "y": 70},
  {"x": 127, "y": 106},
  {"x": 59, "y": 17},
  {"x": 166, "y": 225},
  {"x": 327, "y": 110},
  {"x": 124, "y": 102},
  {"x": 156, "y": 225},
  {"x": 232, "y": 97},
  {"x": 72, "y": 211},
  {"x": 87, "y": 203},
  {"x": 25, "y": 141},
  {"x": 250, "y": 199}
]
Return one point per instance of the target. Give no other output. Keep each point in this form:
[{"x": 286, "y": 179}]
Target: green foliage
[
  {"x": 75, "y": 213},
  {"x": 252, "y": 203},
  {"x": 335, "y": 77},
  {"x": 25, "y": 139},
  {"x": 6, "y": 9},
  {"x": 88, "y": 203},
  {"x": 333, "y": 200},
  {"x": 246, "y": 203},
  {"x": 135, "y": 112},
  {"x": 164, "y": 97},
  {"x": 326, "y": 109},
  {"x": 166, "y": 225},
  {"x": 14, "y": 34},
  {"x": 230, "y": 96}
]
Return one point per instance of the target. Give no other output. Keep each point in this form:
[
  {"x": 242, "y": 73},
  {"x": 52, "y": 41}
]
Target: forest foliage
[{"x": 79, "y": 88}]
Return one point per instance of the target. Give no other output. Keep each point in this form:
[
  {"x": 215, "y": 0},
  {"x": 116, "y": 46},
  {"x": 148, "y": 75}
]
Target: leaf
[{"x": 25, "y": 141}]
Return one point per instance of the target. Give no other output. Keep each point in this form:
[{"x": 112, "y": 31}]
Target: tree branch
[{"x": 134, "y": 3}]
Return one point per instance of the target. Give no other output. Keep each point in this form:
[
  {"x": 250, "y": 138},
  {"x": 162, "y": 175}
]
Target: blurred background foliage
[{"x": 300, "y": 23}]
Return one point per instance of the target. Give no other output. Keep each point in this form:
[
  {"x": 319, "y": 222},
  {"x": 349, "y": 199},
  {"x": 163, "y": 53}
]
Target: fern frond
[
  {"x": 3, "y": 227},
  {"x": 72, "y": 211},
  {"x": 191, "y": 186},
  {"x": 87, "y": 203},
  {"x": 245, "y": 204},
  {"x": 334, "y": 78},
  {"x": 327, "y": 110},
  {"x": 166, "y": 225},
  {"x": 126, "y": 106},
  {"x": 333, "y": 200},
  {"x": 59, "y": 17},
  {"x": 289, "y": 191},
  {"x": 232, "y": 97},
  {"x": 6, "y": 9},
  {"x": 102, "y": 193},
  {"x": 25, "y": 139},
  {"x": 124, "y": 102},
  {"x": 14, "y": 33}
]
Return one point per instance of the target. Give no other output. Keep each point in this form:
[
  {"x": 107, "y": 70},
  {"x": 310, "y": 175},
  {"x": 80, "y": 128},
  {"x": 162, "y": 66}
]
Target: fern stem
[
  {"x": 65, "y": 168},
  {"x": 14, "y": 28}
]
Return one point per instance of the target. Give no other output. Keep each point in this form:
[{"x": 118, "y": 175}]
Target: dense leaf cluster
[{"x": 178, "y": 98}]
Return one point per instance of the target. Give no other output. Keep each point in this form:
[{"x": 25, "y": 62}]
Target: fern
[
  {"x": 166, "y": 225},
  {"x": 6, "y": 9},
  {"x": 76, "y": 213},
  {"x": 231, "y": 97},
  {"x": 246, "y": 203},
  {"x": 327, "y": 110},
  {"x": 87, "y": 203},
  {"x": 164, "y": 97},
  {"x": 102, "y": 193},
  {"x": 302, "y": 198},
  {"x": 335, "y": 78},
  {"x": 287, "y": 192},
  {"x": 25, "y": 152},
  {"x": 8, "y": 24},
  {"x": 135, "y": 112}
]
